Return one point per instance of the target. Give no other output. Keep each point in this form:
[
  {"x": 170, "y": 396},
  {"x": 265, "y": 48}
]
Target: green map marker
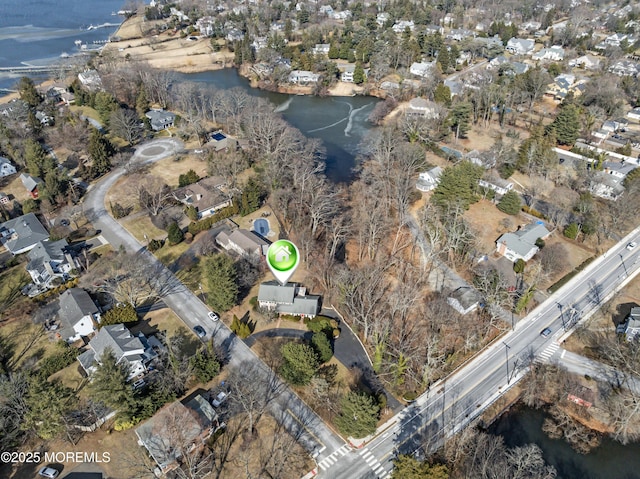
[{"x": 283, "y": 258}]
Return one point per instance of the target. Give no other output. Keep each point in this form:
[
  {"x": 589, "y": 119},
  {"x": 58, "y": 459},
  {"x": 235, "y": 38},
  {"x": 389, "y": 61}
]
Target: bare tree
[{"x": 125, "y": 124}]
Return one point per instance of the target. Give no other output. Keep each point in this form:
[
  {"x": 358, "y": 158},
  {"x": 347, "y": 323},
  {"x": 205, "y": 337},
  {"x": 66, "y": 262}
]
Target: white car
[
  {"x": 213, "y": 316},
  {"x": 632, "y": 245},
  {"x": 219, "y": 399},
  {"x": 49, "y": 472}
]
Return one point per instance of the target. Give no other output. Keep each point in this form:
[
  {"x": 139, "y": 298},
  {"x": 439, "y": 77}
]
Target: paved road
[
  {"x": 452, "y": 404},
  {"x": 312, "y": 433}
]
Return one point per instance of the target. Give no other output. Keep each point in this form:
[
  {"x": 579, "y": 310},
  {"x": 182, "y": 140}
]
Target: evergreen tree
[
  {"x": 47, "y": 402},
  {"x": 358, "y": 74},
  {"x": 142, "y": 102},
  {"x": 122, "y": 313},
  {"x": 358, "y": 415},
  {"x": 28, "y": 92},
  {"x": 510, "y": 203},
  {"x": 458, "y": 184},
  {"x": 220, "y": 275},
  {"x": 188, "y": 178},
  {"x": 443, "y": 59},
  {"x": 571, "y": 231},
  {"x": 334, "y": 51},
  {"x": 37, "y": 160},
  {"x": 251, "y": 197},
  {"x": 174, "y": 233},
  {"x": 100, "y": 151},
  {"x": 300, "y": 363},
  {"x": 105, "y": 104},
  {"x": 442, "y": 94},
  {"x": 322, "y": 346},
  {"x": 408, "y": 467},
  {"x": 567, "y": 125},
  {"x": 109, "y": 384},
  {"x": 460, "y": 119},
  {"x": 205, "y": 366}
]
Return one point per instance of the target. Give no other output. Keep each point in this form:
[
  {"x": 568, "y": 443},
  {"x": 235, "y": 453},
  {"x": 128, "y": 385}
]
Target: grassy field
[{"x": 138, "y": 226}]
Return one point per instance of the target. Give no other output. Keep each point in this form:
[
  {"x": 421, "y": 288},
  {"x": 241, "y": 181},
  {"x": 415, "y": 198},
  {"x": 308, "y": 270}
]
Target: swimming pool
[{"x": 261, "y": 226}]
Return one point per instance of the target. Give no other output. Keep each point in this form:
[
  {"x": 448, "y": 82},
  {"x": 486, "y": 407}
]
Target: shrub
[
  {"x": 410, "y": 396},
  {"x": 57, "y": 361},
  {"x": 571, "y": 231},
  {"x": 533, "y": 212},
  {"x": 206, "y": 223},
  {"x": 123, "y": 313},
  {"x": 240, "y": 328},
  {"x": 155, "y": 245},
  {"x": 175, "y": 234},
  {"x": 290, "y": 317},
  {"x": 188, "y": 178},
  {"x": 254, "y": 302},
  {"x": 322, "y": 346}
]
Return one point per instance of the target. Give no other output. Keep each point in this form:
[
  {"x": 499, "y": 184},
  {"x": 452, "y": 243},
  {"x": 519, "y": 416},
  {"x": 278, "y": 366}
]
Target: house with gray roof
[
  {"x": 31, "y": 184},
  {"x": 6, "y": 167},
  {"x": 288, "y": 299},
  {"x": 205, "y": 196},
  {"x": 138, "y": 351},
  {"x": 49, "y": 260},
  {"x": 464, "y": 300},
  {"x": 520, "y": 46},
  {"x": 177, "y": 430},
  {"x": 495, "y": 183},
  {"x": 78, "y": 315},
  {"x": 428, "y": 180},
  {"x": 631, "y": 327},
  {"x": 243, "y": 242},
  {"x": 160, "y": 119},
  {"x": 522, "y": 243},
  {"x": 22, "y": 234}
]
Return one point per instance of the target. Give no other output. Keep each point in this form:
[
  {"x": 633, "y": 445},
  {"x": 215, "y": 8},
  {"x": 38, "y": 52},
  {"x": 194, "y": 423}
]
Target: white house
[
  {"x": 520, "y": 46},
  {"x": 78, "y": 315},
  {"x": 634, "y": 114},
  {"x": 303, "y": 77},
  {"x": 401, "y": 25},
  {"x": 464, "y": 300},
  {"x": 588, "y": 62},
  {"x": 49, "y": 260},
  {"x": 422, "y": 107},
  {"x": 137, "y": 351},
  {"x": 90, "y": 79},
  {"x": 321, "y": 49},
  {"x": 522, "y": 243},
  {"x": 6, "y": 167},
  {"x": 428, "y": 180},
  {"x": 422, "y": 69},
  {"x": 288, "y": 299},
  {"x": 243, "y": 242},
  {"x": 496, "y": 184},
  {"x": 382, "y": 18},
  {"x": 554, "y": 53}
]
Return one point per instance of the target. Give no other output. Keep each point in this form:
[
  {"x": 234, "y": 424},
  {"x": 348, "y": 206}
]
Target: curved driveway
[{"x": 301, "y": 421}]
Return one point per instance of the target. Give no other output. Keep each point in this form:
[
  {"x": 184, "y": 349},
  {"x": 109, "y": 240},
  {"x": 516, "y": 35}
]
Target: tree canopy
[
  {"x": 510, "y": 203},
  {"x": 220, "y": 275},
  {"x": 300, "y": 363},
  {"x": 358, "y": 414},
  {"x": 408, "y": 467},
  {"x": 458, "y": 184}
]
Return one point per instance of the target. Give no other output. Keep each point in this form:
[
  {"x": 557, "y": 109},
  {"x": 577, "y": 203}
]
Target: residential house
[
  {"x": 433, "y": 29},
  {"x": 422, "y": 107},
  {"x": 136, "y": 351},
  {"x": 493, "y": 42},
  {"x": 4, "y": 199},
  {"x": 382, "y": 18},
  {"x": 389, "y": 86},
  {"x": 6, "y": 167},
  {"x": 346, "y": 74},
  {"x": 160, "y": 119},
  {"x": 321, "y": 49},
  {"x": 326, "y": 10},
  {"x": 497, "y": 184},
  {"x": 606, "y": 186},
  {"x": 49, "y": 260},
  {"x": 634, "y": 114},
  {"x": 78, "y": 315},
  {"x": 563, "y": 85},
  {"x": 243, "y": 242},
  {"x": 631, "y": 327},
  {"x": 180, "y": 428},
  {"x": 588, "y": 62},
  {"x": 422, "y": 69},
  {"x": 90, "y": 79},
  {"x": 219, "y": 141},
  {"x": 464, "y": 300},
  {"x": 22, "y": 234},
  {"x": 401, "y": 25},
  {"x": 530, "y": 26},
  {"x": 455, "y": 87},
  {"x": 625, "y": 68},
  {"x": 205, "y": 196},
  {"x": 303, "y": 77},
  {"x": 288, "y": 299},
  {"x": 428, "y": 180},
  {"x": 520, "y": 46},
  {"x": 259, "y": 43},
  {"x": 522, "y": 243},
  {"x": 31, "y": 184},
  {"x": 343, "y": 15},
  {"x": 554, "y": 53},
  {"x": 459, "y": 34},
  {"x": 486, "y": 159},
  {"x": 205, "y": 25}
]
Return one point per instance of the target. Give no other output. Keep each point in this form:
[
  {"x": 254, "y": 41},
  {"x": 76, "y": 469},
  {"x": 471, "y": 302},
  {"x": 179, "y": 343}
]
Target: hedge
[
  {"x": 533, "y": 212},
  {"x": 197, "y": 226},
  {"x": 567, "y": 277}
]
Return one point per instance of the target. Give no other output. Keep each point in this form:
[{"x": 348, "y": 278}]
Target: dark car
[
  {"x": 545, "y": 332},
  {"x": 199, "y": 330}
]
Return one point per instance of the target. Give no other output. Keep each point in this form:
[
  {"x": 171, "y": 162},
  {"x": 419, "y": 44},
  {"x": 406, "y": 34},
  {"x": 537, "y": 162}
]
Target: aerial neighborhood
[{"x": 459, "y": 184}]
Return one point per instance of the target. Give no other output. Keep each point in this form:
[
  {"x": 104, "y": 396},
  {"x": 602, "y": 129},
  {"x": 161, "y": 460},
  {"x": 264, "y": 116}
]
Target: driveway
[{"x": 347, "y": 349}]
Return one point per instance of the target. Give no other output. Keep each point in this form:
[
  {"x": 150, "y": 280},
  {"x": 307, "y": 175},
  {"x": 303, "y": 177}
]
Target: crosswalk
[
  {"x": 330, "y": 460},
  {"x": 549, "y": 351},
  {"x": 374, "y": 464}
]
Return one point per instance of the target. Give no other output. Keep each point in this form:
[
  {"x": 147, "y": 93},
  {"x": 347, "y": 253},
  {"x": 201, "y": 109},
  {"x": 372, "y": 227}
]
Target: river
[
  {"x": 339, "y": 122},
  {"x": 610, "y": 460}
]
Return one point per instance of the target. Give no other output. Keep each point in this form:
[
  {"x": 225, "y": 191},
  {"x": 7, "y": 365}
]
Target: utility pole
[{"x": 506, "y": 352}]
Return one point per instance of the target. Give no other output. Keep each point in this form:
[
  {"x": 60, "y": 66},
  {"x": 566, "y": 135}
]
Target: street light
[
  {"x": 506, "y": 352},
  {"x": 626, "y": 273},
  {"x": 562, "y": 316}
]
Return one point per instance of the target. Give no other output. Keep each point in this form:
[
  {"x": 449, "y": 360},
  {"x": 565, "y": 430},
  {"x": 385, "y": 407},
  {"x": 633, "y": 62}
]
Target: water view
[
  {"x": 610, "y": 460},
  {"x": 340, "y": 122}
]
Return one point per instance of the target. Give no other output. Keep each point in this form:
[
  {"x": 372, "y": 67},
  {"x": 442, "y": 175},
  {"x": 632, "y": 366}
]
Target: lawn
[
  {"x": 12, "y": 303},
  {"x": 168, "y": 254},
  {"x": 86, "y": 111},
  {"x": 141, "y": 225},
  {"x": 29, "y": 343},
  {"x": 486, "y": 220},
  {"x": 170, "y": 170}
]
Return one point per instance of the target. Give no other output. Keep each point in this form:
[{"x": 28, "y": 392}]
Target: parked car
[
  {"x": 199, "y": 330},
  {"x": 213, "y": 316},
  {"x": 219, "y": 399},
  {"x": 545, "y": 332},
  {"x": 632, "y": 245},
  {"x": 49, "y": 472}
]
